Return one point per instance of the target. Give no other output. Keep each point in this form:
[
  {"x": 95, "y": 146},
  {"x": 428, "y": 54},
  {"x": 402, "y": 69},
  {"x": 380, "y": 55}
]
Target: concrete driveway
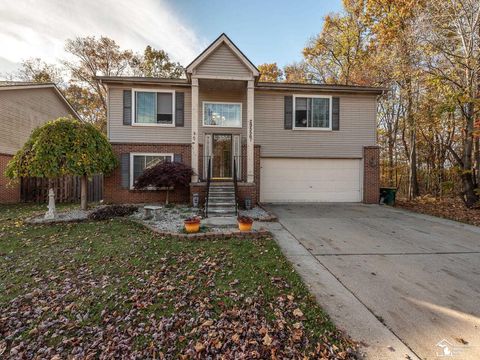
[{"x": 419, "y": 276}]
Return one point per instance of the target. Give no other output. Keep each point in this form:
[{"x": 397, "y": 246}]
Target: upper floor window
[
  {"x": 313, "y": 112},
  {"x": 222, "y": 114},
  {"x": 154, "y": 108}
]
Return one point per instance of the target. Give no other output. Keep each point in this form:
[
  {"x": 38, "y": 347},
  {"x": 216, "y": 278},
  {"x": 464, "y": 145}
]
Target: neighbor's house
[
  {"x": 289, "y": 142},
  {"x": 23, "y": 107}
]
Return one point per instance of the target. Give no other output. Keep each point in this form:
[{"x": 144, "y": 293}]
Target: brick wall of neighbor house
[
  {"x": 113, "y": 191},
  {"x": 371, "y": 174},
  {"x": 8, "y": 193}
]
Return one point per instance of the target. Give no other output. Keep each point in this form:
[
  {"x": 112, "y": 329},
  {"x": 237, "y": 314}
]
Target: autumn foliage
[{"x": 165, "y": 175}]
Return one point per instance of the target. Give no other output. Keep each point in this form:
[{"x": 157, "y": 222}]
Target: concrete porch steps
[{"x": 221, "y": 199}]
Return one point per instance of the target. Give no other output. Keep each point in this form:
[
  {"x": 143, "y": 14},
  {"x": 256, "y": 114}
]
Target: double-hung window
[
  {"x": 313, "y": 112},
  {"x": 140, "y": 162},
  {"x": 222, "y": 114},
  {"x": 154, "y": 108}
]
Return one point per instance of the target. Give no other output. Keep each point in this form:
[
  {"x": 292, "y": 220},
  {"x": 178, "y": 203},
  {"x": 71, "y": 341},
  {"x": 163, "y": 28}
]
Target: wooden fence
[{"x": 67, "y": 189}]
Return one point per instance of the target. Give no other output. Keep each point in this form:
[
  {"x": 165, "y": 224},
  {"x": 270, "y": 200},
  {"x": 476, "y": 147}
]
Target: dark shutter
[
  {"x": 177, "y": 158},
  {"x": 179, "y": 106},
  {"x": 335, "y": 113},
  {"x": 288, "y": 112},
  {"x": 127, "y": 107},
  {"x": 125, "y": 170}
]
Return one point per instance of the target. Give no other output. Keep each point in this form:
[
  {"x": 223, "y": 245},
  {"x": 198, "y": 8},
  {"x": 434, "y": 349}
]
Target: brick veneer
[
  {"x": 371, "y": 174},
  {"x": 8, "y": 193},
  {"x": 113, "y": 191}
]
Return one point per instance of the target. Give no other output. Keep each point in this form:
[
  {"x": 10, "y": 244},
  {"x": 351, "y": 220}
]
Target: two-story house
[{"x": 286, "y": 142}]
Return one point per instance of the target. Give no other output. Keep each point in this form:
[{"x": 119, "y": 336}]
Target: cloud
[{"x": 39, "y": 28}]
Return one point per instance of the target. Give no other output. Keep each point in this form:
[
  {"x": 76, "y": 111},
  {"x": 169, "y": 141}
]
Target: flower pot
[
  {"x": 245, "y": 223},
  {"x": 192, "y": 225},
  {"x": 242, "y": 226}
]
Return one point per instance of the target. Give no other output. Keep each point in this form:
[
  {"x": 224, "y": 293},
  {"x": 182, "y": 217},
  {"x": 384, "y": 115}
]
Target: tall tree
[
  {"x": 38, "y": 71},
  {"x": 451, "y": 36},
  {"x": 94, "y": 57},
  {"x": 156, "y": 63},
  {"x": 393, "y": 26},
  {"x": 270, "y": 72},
  {"x": 337, "y": 54},
  {"x": 296, "y": 73}
]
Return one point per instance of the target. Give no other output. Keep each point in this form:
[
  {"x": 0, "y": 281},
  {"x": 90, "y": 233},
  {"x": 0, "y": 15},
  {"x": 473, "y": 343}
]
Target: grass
[{"x": 119, "y": 273}]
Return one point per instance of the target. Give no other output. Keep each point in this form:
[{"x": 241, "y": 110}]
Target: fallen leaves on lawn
[{"x": 167, "y": 311}]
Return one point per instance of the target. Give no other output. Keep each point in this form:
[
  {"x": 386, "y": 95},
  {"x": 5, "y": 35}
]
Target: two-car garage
[{"x": 310, "y": 180}]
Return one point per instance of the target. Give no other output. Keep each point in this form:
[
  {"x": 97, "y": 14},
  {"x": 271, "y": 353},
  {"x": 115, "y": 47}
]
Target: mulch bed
[{"x": 447, "y": 208}]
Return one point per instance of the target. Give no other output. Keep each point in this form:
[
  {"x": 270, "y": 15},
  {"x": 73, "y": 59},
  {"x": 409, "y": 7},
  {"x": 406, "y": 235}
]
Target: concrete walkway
[{"x": 406, "y": 285}]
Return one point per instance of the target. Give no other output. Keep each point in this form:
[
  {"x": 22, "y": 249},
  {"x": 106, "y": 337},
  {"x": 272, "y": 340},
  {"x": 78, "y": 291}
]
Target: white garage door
[{"x": 310, "y": 180}]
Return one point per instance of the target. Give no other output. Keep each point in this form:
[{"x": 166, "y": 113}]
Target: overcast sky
[{"x": 265, "y": 30}]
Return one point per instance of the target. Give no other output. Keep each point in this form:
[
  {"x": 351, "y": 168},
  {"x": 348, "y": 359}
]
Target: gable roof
[
  {"x": 17, "y": 85},
  {"x": 222, "y": 39}
]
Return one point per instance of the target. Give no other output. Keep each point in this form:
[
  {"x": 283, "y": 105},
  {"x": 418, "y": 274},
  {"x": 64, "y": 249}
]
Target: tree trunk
[
  {"x": 390, "y": 164},
  {"x": 467, "y": 170},
  {"x": 477, "y": 160},
  {"x": 166, "y": 197},
  {"x": 83, "y": 192}
]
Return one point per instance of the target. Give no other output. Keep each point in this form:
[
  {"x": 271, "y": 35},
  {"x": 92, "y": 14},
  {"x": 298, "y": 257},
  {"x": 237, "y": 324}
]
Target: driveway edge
[{"x": 346, "y": 311}]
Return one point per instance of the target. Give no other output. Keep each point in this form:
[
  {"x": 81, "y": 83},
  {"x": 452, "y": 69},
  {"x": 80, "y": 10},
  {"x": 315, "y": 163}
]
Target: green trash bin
[{"x": 387, "y": 195}]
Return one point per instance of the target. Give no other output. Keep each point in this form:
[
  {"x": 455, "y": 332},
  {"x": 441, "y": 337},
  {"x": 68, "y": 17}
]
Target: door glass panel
[{"x": 222, "y": 156}]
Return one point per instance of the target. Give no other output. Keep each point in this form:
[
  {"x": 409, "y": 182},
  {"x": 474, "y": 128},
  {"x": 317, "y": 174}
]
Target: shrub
[
  {"x": 165, "y": 175},
  {"x": 111, "y": 211}
]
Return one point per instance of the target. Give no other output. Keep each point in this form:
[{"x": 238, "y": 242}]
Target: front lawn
[{"x": 114, "y": 289}]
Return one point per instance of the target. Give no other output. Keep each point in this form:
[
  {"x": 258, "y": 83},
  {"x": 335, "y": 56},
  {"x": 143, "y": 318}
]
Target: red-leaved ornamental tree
[{"x": 165, "y": 175}]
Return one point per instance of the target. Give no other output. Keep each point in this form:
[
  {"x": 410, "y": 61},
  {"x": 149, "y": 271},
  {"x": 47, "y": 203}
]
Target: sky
[{"x": 265, "y": 30}]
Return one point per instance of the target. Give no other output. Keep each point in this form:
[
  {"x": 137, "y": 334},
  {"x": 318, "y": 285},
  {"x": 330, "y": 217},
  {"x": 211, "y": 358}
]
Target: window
[
  {"x": 222, "y": 114},
  {"x": 154, "y": 108},
  {"x": 140, "y": 162},
  {"x": 312, "y": 112}
]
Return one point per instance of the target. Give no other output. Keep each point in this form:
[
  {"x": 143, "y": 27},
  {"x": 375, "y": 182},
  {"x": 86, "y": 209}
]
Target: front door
[{"x": 222, "y": 156}]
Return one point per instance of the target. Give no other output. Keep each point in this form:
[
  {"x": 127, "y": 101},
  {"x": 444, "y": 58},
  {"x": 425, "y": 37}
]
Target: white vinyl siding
[
  {"x": 23, "y": 110},
  {"x": 357, "y": 129},
  {"x": 310, "y": 180},
  {"x": 223, "y": 62},
  {"x": 119, "y": 133}
]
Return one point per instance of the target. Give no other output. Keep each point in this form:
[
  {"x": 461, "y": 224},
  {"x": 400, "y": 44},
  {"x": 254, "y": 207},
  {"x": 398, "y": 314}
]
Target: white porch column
[
  {"x": 195, "y": 129},
  {"x": 250, "y": 132}
]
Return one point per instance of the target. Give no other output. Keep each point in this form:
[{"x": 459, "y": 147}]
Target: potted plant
[
  {"x": 245, "y": 223},
  {"x": 192, "y": 224}
]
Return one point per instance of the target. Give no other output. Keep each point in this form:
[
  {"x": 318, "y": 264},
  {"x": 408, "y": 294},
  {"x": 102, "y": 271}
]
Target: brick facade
[
  {"x": 113, "y": 191},
  {"x": 251, "y": 190},
  {"x": 8, "y": 193},
  {"x": 371, "y": 174}
]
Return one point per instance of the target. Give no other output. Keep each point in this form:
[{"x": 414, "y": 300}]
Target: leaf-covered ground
[
  {"x": 448, "y": 208},
  {"x": 115, "y": 290}
]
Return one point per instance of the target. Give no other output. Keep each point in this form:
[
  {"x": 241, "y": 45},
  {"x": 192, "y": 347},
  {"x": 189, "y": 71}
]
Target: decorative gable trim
[{"x": 222, "y": 39}]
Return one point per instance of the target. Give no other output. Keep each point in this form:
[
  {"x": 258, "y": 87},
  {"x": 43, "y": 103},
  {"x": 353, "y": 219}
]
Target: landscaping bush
[{"x": 109, "y": 212}]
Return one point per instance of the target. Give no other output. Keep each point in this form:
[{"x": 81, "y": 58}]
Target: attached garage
[{"x": 310, "y": 180}]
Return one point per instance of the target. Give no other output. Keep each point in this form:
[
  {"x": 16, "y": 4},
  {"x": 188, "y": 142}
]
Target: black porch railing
[
  {"x": 235, "y": 185},
  {"x": 209, "y": 164}
]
